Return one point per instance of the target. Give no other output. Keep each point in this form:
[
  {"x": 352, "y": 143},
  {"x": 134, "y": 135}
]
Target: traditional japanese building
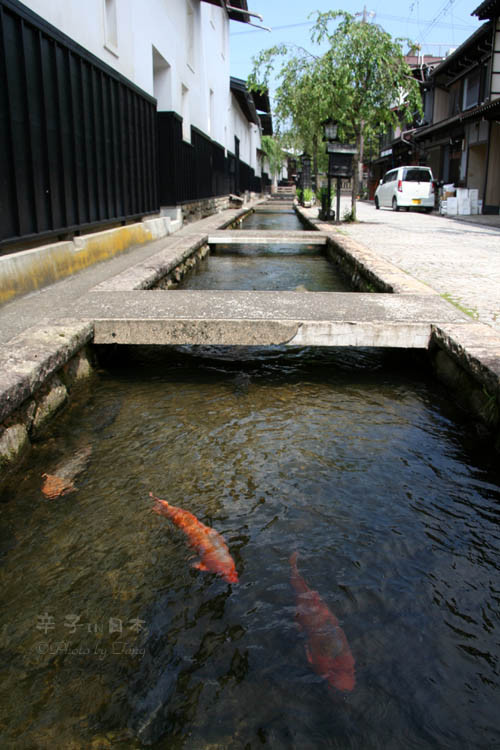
[{"x": 111, "y": 111}]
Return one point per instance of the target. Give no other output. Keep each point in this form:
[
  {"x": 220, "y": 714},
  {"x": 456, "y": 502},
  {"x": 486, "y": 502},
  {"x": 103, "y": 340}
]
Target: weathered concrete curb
[
  {"x": 365, "y": 269},
  {"x": 165, "y": 268},
  {"x": 26, "y": 271},
  {"x": 148, "y": 273},
  {"x": 38, "y": 369},
  {"x": 465, "y": 356}
]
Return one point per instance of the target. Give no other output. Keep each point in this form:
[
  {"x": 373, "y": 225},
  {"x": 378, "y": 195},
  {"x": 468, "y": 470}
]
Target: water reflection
[
  {"x": 286, "y": 220},
  {"x": 111, "y": 639}
]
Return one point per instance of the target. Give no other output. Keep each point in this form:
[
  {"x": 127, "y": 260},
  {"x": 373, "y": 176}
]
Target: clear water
[
  {"x": 272, "y": 268},
  {"x": 354, "y": 459},
  {"x": 286, "y": 220},
  {"x": 111, "y": 639}
]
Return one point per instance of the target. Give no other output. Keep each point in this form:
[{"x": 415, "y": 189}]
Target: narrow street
[{"x": 459, "y": 259}]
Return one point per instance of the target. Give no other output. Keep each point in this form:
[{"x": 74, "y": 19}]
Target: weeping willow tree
[
  {"x": 274, "y": 154},
  {"x": 362, "y": 81}
]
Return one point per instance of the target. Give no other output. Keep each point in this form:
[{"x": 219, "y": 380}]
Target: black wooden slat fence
[
  {"x": 197, "y": 170},
  {"x": 82, "y": 146},
  {"x": 77, "y": 140}
]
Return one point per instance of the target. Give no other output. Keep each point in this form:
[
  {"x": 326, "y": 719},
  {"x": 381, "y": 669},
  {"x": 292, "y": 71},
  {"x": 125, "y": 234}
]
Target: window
[
  {"x": 417, "y": 175},
  {"x": 471, "y": 89},
  {"x": 162, "y": 84},
  {"x": 186, "y": 121},
  {"x": 110, "y": 26}
]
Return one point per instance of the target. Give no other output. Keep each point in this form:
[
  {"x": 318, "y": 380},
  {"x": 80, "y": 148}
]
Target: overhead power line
[{"x": 461, "y": 27}]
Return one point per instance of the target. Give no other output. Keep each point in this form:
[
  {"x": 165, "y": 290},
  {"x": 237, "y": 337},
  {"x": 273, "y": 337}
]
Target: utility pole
[{"x": 366, "y": 14}]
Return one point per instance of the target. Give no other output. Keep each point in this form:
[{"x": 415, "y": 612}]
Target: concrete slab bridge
[{"x": 40, "y": 366}]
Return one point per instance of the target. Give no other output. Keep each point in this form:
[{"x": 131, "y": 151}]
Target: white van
[{"x": 406, "y": 187}]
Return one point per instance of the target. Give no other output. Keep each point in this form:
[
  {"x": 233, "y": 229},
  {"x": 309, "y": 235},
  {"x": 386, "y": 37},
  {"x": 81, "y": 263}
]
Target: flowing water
[
  {"x": 276, "y": 267},
  {"x": 355, "y": 460},
  {"x": 286, "y": 220}
]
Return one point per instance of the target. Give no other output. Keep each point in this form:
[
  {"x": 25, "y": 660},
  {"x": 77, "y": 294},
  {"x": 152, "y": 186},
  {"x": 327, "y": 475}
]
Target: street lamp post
[
  {"x": 330, "y": 128},
  {"x": 339, "y": 161}
]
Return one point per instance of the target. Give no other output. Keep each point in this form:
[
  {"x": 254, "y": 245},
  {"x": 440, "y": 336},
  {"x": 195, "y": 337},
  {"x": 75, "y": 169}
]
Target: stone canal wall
[
  {"x": 42, "y": 368},
  {"x": 40, "y": 371},
  {"x": 465, "y": 357}
]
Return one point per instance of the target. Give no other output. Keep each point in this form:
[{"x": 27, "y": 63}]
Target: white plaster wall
[
  {"x": 84, "y": 23},
  {"x": 163, "y": 25}
]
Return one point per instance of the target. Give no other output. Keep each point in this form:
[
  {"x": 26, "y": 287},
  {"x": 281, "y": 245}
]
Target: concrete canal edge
[
  {"x": 42, "y": 368},
  {"x": 465, "y": 357},
  {"x": 29, "y": 270},
  {"x": 39, "y": 371}
]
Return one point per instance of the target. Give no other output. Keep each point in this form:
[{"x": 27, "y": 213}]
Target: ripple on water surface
[{"x": 110, "y": 636}]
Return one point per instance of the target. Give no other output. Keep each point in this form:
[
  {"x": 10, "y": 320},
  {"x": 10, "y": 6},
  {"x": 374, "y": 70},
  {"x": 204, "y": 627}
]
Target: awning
[
  {"x": 245, "y": 99},
  {"x": 237, "y": 10},
  {"x": 488, "y": 111}
]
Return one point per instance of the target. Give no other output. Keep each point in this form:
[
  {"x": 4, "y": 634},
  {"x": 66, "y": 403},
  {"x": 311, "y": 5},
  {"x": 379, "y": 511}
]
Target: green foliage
[
  {"x": 274, "y": 153},
  {"x": 361, "y": 80},
  {"x": 308, "y": 195},
  {"x": 299, "y": 193}
]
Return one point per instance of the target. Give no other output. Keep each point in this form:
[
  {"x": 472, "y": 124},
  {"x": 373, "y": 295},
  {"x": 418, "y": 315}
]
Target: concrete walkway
[
  {"x": 457, "y": 257},
  {"x": 56, "y": 301}
]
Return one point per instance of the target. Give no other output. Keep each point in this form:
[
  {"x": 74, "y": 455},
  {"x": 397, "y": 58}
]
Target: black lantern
[
  {"x": 330, "y": 129},
  {"x": 339, "y": 164}
]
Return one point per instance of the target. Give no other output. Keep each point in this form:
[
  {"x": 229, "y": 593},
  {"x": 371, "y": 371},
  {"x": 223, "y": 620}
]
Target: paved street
[{"x": 458, "y": 259}]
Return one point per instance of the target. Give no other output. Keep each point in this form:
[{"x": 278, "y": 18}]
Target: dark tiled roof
[{"x": 488, "y": 9}]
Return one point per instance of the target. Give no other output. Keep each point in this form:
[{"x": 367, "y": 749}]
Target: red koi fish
[
  {"x": 327, "y": 649},
  {"x": 208, "y": 543}
]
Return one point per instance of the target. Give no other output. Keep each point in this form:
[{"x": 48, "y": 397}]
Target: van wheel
[
  {"x": 395, "y": 206},
  {"x": 377, "y": 204}
]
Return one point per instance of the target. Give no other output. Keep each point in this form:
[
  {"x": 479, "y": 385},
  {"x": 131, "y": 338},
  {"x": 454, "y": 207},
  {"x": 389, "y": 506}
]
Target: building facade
[
  {"x": 462, "y": 142},
  {"x": 112, "y": 110},
  {"x": 459, "y": 137}
]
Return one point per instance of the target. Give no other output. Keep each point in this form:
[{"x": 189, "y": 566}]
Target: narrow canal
[{"x": 354, "y": 461}]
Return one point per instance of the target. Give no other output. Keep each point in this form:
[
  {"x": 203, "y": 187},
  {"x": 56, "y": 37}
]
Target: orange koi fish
[
  {"x": 208, "y": 543},
  {"x": 327, "y": 649},
  {"x": 61, "y": 482}
]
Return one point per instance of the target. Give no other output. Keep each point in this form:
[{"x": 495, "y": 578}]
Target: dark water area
[
  {"x": 353, "y": 459},
  {"x": 287, "y": 220}
]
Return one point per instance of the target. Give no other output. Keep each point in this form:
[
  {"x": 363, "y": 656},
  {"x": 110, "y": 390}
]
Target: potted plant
[{"x": 308, "y": 198}]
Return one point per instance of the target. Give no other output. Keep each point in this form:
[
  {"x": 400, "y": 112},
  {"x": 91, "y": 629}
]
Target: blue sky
[{"x": 437, "y": 24}]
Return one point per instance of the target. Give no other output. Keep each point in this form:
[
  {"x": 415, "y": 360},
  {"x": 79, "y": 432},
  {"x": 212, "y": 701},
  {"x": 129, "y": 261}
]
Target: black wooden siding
[
  {"x": 78, "y": 143},
  {"x": 81, "y": 146},
  {"x": 200, "y": 169}
]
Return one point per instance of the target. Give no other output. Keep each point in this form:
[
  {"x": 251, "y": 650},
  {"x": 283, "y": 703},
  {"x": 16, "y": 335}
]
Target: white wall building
[{"x": 176, "y": 51}]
